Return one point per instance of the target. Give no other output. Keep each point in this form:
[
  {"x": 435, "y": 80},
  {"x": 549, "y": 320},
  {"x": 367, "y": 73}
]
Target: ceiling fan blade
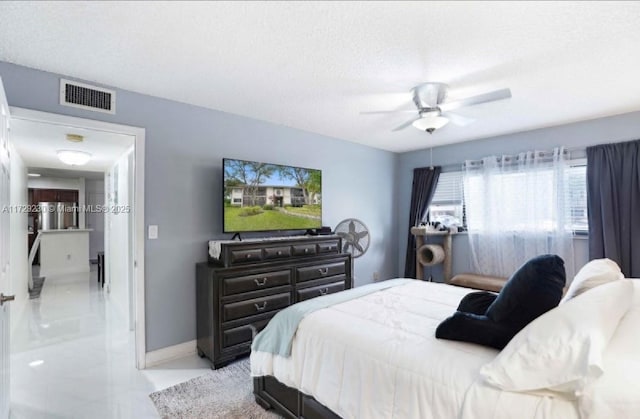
[
  {"x": 457, "y": 119},
  {"x": 380, "y": 112},
  {"x": 476, "y": 100},
  {"x": 406, "y": 124}
]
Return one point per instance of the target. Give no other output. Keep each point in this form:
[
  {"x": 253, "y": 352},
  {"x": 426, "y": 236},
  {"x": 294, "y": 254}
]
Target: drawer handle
[
  {"x": 279, "y": 253},
  {"x": 323, "y": 271},
  {"x": 324, "y": 291},
  {"x": 261, "y": 307},
  {"x": 248, "y": 256},
  {"x": 259, "y": 283},
  {"x": 306, "y": 250}
]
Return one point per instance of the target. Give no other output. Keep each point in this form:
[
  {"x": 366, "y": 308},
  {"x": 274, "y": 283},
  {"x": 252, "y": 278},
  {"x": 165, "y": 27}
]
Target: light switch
[{"x": 153, "y": 232}]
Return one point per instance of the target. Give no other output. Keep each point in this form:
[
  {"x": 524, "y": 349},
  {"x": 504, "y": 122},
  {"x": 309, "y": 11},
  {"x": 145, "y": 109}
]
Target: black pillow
[
  {"x": 474, "y": 328},
  {"x": 477, "y": 302},
  {"x": 534, "y": 289}
]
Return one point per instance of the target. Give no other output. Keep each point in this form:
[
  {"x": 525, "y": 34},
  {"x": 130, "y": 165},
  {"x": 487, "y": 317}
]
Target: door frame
[{"x": 139, "y": 142}]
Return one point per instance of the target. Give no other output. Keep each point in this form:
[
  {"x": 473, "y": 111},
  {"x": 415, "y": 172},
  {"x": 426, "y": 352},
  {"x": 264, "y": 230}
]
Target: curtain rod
[{"x": 574, "y": 154}]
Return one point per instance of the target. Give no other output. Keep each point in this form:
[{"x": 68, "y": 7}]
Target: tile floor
[{"x": 74, "y": 358}]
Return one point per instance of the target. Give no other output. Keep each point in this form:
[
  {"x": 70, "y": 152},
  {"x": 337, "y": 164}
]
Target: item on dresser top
[{"x": 261, "y": 196}]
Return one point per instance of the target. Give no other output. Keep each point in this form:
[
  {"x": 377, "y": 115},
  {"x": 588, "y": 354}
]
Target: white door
[{"x": 4, "y": 254}]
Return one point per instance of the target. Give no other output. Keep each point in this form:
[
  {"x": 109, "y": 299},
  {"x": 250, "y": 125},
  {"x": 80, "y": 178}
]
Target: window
[
  {"x": 447, "y": 206},
  {"x": 577, "y": 182}
]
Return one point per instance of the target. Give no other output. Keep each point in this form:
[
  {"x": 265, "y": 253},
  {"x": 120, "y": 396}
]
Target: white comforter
[{"x": 377, "y": 357}]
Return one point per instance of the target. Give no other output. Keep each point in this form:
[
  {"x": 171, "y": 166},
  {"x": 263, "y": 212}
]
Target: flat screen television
[{"x": 270, "y": 197}]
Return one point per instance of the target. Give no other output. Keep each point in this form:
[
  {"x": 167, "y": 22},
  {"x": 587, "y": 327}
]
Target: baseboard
[
  {"x": 170, "y": 353},
  {"x": 65, "y": 271}
]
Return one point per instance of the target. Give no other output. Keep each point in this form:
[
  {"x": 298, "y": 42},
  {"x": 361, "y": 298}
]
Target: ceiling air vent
[{"x": 85, "y": 96}]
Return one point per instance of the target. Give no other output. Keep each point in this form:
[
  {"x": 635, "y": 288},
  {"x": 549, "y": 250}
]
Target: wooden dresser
[{"x": 253, "y": 280}]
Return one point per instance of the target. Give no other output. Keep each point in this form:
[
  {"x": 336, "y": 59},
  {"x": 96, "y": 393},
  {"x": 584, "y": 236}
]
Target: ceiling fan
[{"x": 433, "y": 111}]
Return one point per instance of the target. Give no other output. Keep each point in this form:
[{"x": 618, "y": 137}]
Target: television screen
[{"x": 266, "y": 197}]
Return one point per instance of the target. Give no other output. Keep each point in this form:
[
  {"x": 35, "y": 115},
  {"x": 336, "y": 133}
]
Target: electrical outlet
[{"x": 376, "y": 276}]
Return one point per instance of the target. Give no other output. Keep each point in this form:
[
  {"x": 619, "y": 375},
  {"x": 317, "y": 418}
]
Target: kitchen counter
[
  {"x": 67, "y": 230},
  {"x": 64, "y": 252}
]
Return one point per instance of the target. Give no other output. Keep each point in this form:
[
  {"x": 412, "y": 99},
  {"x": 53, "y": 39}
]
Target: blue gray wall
[
  {"x": 577, "y": 135},
  {"x": 184, "y": 150}
]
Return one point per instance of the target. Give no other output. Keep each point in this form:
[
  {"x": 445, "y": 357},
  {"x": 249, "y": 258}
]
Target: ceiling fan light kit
[{"x": 430, "y": 123}]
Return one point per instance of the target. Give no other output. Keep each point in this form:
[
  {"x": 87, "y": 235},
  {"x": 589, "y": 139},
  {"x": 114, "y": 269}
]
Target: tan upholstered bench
[{"x": 479, "y": 282}]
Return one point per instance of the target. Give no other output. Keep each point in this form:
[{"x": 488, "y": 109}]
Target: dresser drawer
[
  {"x": 232, "y": 311},
  {"x": 277, "y": 252},
  {"x": 243, "y": 334},
  {"x": 312, "y": 292},
  {"x": 320, "y": 271},
  {"x": 304, "y": 249},
  {"x": 328, "y": 247},
  {"x": 255, "y": 282},
  {"x": 246, "y": 255}
]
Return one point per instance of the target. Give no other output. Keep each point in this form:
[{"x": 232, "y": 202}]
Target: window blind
[
  {"x": 449, "y": 189},
  {"x": 577, "y": 195}
]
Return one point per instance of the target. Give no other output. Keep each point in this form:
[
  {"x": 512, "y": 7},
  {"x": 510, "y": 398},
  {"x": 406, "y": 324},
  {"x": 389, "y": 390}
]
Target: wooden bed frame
[{"x": 271, "y": 394}]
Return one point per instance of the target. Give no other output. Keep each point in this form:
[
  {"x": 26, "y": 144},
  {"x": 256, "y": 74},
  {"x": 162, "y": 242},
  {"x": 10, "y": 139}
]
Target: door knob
[{"x": 6, "y": 298}]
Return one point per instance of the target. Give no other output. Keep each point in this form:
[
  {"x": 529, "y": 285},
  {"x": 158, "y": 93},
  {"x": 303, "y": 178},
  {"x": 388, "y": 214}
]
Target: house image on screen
[{"x": 278, "y": 196}]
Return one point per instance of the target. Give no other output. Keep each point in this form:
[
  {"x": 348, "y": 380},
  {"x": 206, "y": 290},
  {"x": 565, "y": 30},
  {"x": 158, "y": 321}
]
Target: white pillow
[
  {"x": 594, "y": 273},
  {"x": 615, "y": 394},
  {"x": 561, "y": 351}
]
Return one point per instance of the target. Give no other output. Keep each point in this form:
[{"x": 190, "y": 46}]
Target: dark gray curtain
[
  {"x": 613, "y": 202},
  {"x": 425, "y": 180}
]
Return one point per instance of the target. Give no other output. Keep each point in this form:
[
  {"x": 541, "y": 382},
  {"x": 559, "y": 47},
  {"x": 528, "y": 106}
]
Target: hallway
[{"x": 73, "y": 357}]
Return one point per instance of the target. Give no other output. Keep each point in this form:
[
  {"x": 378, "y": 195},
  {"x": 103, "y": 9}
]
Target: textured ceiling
[
  {"x": 316, "y": 65},
  {"x": 38, "y": 142}
]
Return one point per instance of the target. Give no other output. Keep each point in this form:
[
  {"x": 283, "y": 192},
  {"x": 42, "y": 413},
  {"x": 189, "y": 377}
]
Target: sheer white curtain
[{"x": 518, "y": 207}]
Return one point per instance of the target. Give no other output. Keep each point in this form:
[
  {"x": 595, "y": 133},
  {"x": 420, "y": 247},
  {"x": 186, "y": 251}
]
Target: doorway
[{"x": 115, "y": 202}]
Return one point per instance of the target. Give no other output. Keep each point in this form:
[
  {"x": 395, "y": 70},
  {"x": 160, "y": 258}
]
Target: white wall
[
  {"x": 130, "y": 180},
  {"x": 118, "y": 224},
  {"x": 94, "y": 197},
  {"x": 64, "y": 252},
  {"x": 54, "y": 183},
  {"x": 18, "y": 254},
  {"x": 82, "y": 216}
]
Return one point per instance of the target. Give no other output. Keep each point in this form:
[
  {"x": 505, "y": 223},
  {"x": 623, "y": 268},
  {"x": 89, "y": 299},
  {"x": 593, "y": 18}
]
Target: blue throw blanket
[{"x": 277, "y": 337}]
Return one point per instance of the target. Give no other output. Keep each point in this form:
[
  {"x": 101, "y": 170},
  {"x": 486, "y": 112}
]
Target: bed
[{"x": 376, "y": 356}]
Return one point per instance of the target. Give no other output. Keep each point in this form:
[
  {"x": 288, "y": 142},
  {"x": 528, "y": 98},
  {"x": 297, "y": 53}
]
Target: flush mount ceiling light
[
  {"x": 430, "y": 123},
  {"x": 74, "y": 157},
  {"x": 33, "y": 174}
]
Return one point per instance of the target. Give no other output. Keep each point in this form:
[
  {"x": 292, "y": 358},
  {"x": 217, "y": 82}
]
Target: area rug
[
  {"x": 38, "y": 282},
  {"x": 223, "y": 393}
]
